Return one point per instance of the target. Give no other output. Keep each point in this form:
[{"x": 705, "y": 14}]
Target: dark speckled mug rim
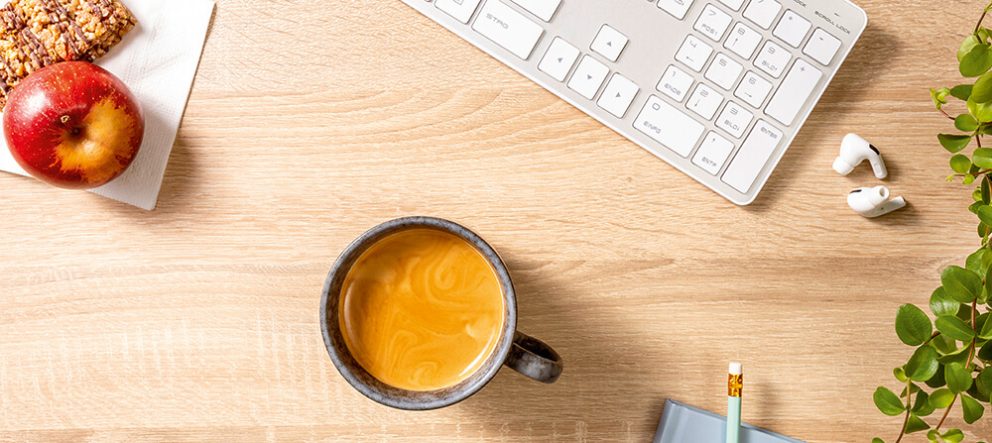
[{"x": 371, "y": 387}]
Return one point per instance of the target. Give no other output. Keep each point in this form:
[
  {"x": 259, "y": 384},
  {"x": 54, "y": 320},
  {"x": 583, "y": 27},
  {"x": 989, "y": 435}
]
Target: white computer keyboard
[{"x": 717, "y": 88}]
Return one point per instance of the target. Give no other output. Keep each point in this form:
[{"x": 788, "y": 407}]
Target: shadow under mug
[{"x": 526, "y": 355}]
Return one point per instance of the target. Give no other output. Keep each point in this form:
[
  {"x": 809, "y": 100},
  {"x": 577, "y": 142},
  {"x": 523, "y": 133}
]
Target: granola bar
[{"x": 38, "y": 33}]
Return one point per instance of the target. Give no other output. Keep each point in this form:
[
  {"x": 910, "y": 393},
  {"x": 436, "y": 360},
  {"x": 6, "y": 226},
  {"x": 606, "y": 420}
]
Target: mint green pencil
[{"x": 735, "y": 390}]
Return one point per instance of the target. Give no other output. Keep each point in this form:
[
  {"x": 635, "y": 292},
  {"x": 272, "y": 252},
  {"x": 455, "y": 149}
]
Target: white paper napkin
[{"x": 157, "y": 60}]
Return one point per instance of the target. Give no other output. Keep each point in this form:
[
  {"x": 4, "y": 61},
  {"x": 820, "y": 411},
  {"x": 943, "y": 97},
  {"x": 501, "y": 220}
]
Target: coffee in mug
[
  {"x": 420, "y": 313},
  {"x": 421, "y": 310}
]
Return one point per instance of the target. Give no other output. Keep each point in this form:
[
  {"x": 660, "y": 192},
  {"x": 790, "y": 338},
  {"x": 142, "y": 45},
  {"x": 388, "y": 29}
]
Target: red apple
[{"x": 73, "y": 125}]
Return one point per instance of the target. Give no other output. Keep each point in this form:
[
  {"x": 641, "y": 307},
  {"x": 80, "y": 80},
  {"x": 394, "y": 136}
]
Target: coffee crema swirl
[{"x": 421, "y": 310}]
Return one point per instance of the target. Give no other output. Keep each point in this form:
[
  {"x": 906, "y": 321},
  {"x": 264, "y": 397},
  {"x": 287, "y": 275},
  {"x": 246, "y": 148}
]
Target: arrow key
[
  {"x": 609, "y": 43},
  {"x": 588, "y": 77},
  {"x": 618, "y": 95},
  {"x": 559, "y": 59}
]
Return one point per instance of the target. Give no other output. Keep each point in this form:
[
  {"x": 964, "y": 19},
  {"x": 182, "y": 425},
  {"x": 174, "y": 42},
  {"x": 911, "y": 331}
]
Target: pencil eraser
[{"x": 736, "y": 368}]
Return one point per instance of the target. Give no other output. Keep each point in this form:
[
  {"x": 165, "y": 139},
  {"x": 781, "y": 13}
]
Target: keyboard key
[
  {"x": 588, "y": 77},
  {"x": 694, "y": 53},
  {"x": 773, "y": 59},
  {"x": 734, "y": 119},
  {"x": 763, "y": 12},
  {"x": 668, "y": 126},
  {"x": 677, "y": 8},
  {"x": 743, "y": 41},
  {"x": 724, "y": 71},
  {"x": 705, "y": 101},
  {"x": 609, "y": 43},
  {"x": 559, "y": 59},
  {"x": 794, "y": 92},
  {"x": 733, "y": 4},
  {"x": 792, "y": 29},
  {"x": 543, "y": 9},
  {"x": 752, "y": 157},
  {"x": 753, "y": 90},
  {"x": 508, "y": 28},
  {"x": 676, "y": 83},
  {"x": 713, "y": 153},
  {"x": 461, "y": 10},
  {"x": 713, "y": 22},
  {"x": 822, "y": 47},
  {"x": 618, "y": 95}
]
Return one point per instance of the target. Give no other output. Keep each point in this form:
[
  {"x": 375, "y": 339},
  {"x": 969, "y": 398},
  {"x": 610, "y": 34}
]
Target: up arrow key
[{"x": 609, "y": 43}]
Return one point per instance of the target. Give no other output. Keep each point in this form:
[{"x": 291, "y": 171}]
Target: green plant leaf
[
  {"x": 966, "y": 123},
  {"x": 976, "y": 393},
  {"x": 982, "y": 91},
  {"x": 983, "y": 158},
  {"x": 887, "y": 402},
  {"x": 960, "y": 357},
  {"x": 954, "y": 143},
  {"x": 944, "y": 344},
  {"x": 986, "y": 192},
  {"x": 984, "y": 381},
  {"x": 984, "y": 213},
  {"x": 958, "y": 378},
  {"x": 981, "y": 111},
  {"x": 960, "y": 92},
  {"x": 973, "y": 410},
  {"x": 976, "y": 61},
  {"x": 961, "y": 284},
  {"x": 909, "y": 389},
  {"x": 960, "y": 163},
  {"x": 912, "y": 325},
  {"x": 941, "y": 304},
  {"x": 966, "y": 46},
  {"x": 985, "y": 331},
  {"x": 979, "y": 261},
  {"x": 941, "y": 398},
  {"x": 922, "y": 366},
  {"x": 955, "y": 328},
  {"x": 939, "y": 97},
  {"x": 877, "y": 440},
  {"x": 985, "y": 353},
  {"x": 915, "y": 424},
  {"x": 921, "y": 406},
  {"x": 938, "y": 379},
  {"x": 953, "y": 436},
  {"x": 900, "y": 374}
]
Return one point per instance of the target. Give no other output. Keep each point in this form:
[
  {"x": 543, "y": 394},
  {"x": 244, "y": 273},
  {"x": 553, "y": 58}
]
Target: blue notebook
[{"x": 681, "y": 423}]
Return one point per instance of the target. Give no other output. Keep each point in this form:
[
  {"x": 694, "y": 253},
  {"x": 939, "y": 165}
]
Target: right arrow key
[{"x": 618, "y": 95}]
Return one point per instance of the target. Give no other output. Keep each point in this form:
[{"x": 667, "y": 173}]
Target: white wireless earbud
[
  {"x": 853, "y": 151},
  {"x": 874, "y": 202}
]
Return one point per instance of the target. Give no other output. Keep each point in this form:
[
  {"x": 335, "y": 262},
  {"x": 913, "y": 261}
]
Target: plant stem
[
  {"x": 974, "y": 325},
  {"x": 948, "y": 411},
  {"x": 977, "y": 174},
  {"x": 909, "y": 408},
  {"x": 984, "y": 13},
  {"x": 968, "y": 364}
]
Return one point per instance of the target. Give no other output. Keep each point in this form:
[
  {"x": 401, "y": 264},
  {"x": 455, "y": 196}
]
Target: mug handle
[{"x": 534, "y": 359}]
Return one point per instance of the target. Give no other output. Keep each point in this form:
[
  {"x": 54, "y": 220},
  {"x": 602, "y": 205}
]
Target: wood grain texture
[{"x": 311, "y": 121}]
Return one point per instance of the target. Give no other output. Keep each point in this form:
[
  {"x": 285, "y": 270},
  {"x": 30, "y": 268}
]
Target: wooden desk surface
[{"x": 310, "y": 123}]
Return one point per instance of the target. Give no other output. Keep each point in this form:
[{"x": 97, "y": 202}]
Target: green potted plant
[{"x": 950, "y": 370}]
